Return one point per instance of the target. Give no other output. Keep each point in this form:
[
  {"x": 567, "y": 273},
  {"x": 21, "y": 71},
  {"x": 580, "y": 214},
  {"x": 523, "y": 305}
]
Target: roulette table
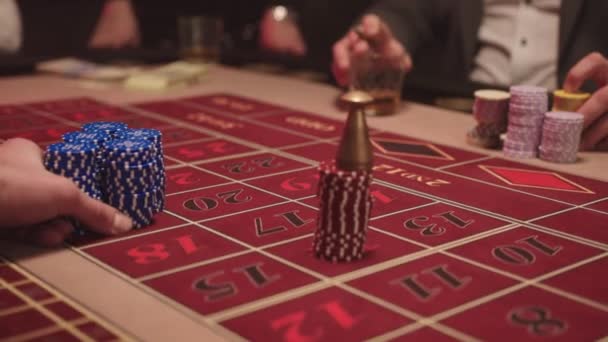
[{"x": 463, "y": 244}]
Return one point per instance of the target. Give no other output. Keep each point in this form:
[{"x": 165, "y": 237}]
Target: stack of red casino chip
[
  {"x": 491, "y": 111},
  {"x": 344, "y": 210},
  {"x": 561, "y": 137},
  {"x": 527, "y": 110}
]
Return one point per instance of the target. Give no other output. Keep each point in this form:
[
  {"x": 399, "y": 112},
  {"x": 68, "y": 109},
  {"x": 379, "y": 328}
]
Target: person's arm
[
  {"x": 593, "y": 67},
  {"x": 396, "y": 28},
  {"x": 371, "y": 34},
  {"x": 117, "y": 26},
  {"x": 10, "y": 27},
  {"x": 280, "y": 33},
  {"x": 34, "y": 202}
]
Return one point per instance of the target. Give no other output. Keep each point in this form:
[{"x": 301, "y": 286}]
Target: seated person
[
  {"x": 76, "y": 26},
  {"x": 499, "y": 43}
]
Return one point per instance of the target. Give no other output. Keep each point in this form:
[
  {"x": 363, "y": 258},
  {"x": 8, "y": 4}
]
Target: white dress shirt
[
  {"x": 10, "y": 26},
  {"x": 518, "y": 43}
]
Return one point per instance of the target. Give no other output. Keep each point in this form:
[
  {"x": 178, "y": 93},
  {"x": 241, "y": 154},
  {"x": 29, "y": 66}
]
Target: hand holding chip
[
  {"x": 34, "y": 201},
  {"x": 593, "y": 67},
  {"x": 371, "y": 35}
]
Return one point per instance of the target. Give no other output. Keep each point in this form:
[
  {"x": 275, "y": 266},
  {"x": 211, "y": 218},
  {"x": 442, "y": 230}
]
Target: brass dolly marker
[{"x": 355, "y": 150}]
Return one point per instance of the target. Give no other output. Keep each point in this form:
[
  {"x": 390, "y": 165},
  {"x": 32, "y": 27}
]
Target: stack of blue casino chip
[
  {"x": 155, "y": 137},
  {"x": 97, "y": 138},
  {"x": 121, "y": 166},
  {"x": 114, "y": 130},
  {"x": 131, "y": 181},
  {"x": 77, "y": 161}
]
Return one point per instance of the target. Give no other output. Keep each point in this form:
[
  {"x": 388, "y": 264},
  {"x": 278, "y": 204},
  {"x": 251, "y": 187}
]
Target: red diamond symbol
[{"x": 534, "y": 179}]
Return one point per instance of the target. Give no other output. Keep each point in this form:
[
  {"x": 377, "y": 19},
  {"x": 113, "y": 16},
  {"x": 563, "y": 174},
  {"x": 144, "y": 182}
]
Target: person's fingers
[
  {"x": 407, "y": 62},
  {"x": 341, "y": 61},
  {"x": 351, "y": 38},
  {"x": 374, "y": 29},
  {"x": 597, "y": 132},
  {"x": 595, "y": 107},
  {"x": 594, "y": 67},
  {"x": 372, "y": 33},
  {"x": 395, "y": 52},
  {"x": 381, "y": 39},
  {"x": 96, "y": 215},
  {"x": 21, "y": 153},
  {"x": 360, "y": 48},
  {"x": 49, "y": 234}
]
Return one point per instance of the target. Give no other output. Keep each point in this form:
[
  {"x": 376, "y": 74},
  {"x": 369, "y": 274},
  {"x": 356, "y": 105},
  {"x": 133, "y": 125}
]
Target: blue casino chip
[
  {"x": 112, "y": 128},
  {"x": 74, "y": 149},
  {"x": 96, "y": 137},
  {"x": 131, "y": 150},
  {"x": 152, "y": 135}
]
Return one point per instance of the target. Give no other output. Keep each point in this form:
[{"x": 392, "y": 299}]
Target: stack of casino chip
[
  {"x": 121, "y": 166},
  {"x": 491, "y": 111},
  {"x": 132, "y": 178},
  {"x": 345, "y": 205},
  {"x": 527, "y": 109},
  {"x": 97, "y": 138},
  {"x": 77, "y": 161},
  {"x": 112, "y": 130},
  {"x": 155, "y": 137},
  {"x": 561, "y": 137}
]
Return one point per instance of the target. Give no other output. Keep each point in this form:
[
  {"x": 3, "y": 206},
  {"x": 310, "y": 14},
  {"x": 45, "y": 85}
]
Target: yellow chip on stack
[{"x": 568, "y": 102}]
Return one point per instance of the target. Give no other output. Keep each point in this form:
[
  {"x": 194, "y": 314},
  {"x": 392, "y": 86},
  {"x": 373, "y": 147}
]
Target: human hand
[
  {"x": 279, "y": 33},
  {"x": 117, "y": 26},
  {"x": 374, "y": 35},
  {"x": 593, "y": 67},
  {"x": 34, "y": 201}
]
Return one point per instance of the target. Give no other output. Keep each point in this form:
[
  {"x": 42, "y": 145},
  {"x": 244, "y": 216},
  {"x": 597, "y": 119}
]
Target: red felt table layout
[{"x": 461, "y": 246}]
